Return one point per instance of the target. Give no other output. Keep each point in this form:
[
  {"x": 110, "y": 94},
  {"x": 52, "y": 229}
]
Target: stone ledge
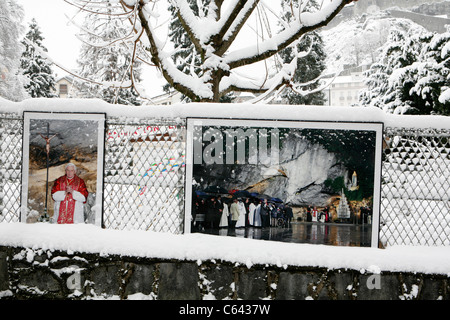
[{"x": 43, "y": 274}]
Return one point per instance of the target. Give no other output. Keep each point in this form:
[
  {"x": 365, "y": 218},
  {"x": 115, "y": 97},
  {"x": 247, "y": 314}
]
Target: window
[{"x": 63, "y": 89}]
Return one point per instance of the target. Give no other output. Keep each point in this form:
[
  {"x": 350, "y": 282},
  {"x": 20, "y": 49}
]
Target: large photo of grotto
[{"x": 303, "y": 182}]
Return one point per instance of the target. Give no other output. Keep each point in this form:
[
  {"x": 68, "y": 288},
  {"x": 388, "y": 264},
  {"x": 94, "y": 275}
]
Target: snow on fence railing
[{"x": 144, "y": 182}]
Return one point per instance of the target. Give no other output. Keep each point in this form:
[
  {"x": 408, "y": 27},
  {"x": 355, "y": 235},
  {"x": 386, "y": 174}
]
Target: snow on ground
[{"x": 201, "y": 247}]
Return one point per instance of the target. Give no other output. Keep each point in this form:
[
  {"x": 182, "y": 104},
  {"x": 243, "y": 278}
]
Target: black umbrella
[
  {"x": 242, "y": 194},
  {"x": 215, "y": 189}
]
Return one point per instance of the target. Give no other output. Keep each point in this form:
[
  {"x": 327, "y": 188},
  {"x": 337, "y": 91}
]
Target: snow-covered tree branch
[{"x": 215, "y": 29}]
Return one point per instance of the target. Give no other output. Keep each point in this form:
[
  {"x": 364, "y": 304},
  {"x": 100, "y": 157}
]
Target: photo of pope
[{"x": 70, "y": 193}]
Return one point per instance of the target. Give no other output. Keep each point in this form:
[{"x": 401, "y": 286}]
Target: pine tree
[
  {"x": 379, "y": 93},
  {"x": 431, "y": 77},
  {"x": 105, "y": 62},
  {"x": 309, "y": 67},
  {"x": 41, "y": 82},
  {"x": 411, "y": 74},
  {"x": 11, "y": 78}
]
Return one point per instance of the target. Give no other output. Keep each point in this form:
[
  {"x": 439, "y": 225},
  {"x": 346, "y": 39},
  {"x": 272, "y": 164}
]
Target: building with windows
[
  {"x": 167, "y": 99},
  {"x": 65, "y": 88},
  {"x": 344, "y": 90}
]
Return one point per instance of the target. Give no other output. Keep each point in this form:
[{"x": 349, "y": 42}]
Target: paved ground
[{"x": 305, "y": 232}]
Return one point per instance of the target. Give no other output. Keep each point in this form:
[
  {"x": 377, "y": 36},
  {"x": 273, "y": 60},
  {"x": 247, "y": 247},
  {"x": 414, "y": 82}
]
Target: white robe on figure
[
  {"x": 224, "y": 218},
  {"x": 251, "y": 213},
  {"x": 314, "y": 214},
  {"x": 257, "y": 217},
  {"x": 241, "y": 220},
  {"x": 78, "y": 215}
]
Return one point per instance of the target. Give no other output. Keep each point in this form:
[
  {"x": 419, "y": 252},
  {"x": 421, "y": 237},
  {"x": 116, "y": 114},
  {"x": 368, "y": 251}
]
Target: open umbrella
[
  {"x": 263, "y": 196},
  {"x": 242, "y": 194},
  {"x": 216, "y": 189},
  {"x": 201, "y": 194},
  {"x": 276, "y": 200}
]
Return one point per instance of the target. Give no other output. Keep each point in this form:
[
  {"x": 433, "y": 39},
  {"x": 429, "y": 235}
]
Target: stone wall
[
  {"x": 43, "y": 274},
  {"x": 421, "y": 13},
  {"x": 434, "y": 24},
  {"x": 363, "y": 6}
]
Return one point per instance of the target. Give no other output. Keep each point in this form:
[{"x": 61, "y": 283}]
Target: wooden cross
[{"x": 47, "y": 139}]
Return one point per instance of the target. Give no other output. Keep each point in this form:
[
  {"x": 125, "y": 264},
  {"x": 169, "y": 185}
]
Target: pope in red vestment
[{"x": 70, "y": 194}]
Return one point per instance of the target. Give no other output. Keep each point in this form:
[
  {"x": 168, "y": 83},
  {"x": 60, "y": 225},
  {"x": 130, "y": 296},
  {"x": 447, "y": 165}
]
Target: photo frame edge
[
  {"x": 100, "y": 117},
  {"x": 376, "y": 126}
]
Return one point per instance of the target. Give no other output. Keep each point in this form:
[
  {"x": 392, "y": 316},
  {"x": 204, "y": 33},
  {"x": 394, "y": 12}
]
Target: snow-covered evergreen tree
[
  {"x": 11, "y": 78},
  {"x": 430, "y": 77},
  {"x": 185, "y": 55},
  {"x": 36, "y": 68},
  {"x": 411, "y": 75},
  {"x": 105, "y": 62},
  {"x": 309, "y": 66}
]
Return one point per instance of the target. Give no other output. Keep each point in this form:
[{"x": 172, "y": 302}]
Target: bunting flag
[{"x": 159, "y": 169}]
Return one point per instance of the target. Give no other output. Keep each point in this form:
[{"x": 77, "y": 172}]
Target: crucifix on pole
[{"x": 47, "y": 139}]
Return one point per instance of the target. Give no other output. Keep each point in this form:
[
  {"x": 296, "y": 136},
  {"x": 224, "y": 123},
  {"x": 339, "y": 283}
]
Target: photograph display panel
[
  {"x": 62, "y": 171},
  {"x": 304, "y": 182}
]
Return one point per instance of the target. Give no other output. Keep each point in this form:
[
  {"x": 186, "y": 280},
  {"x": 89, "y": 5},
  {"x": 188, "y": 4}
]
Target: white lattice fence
[
  {"x": 144, "y": 178},
  {"x": 416, "y": 187}
]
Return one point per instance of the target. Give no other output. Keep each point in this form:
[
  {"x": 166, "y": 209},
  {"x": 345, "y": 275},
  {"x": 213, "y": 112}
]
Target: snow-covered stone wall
[
  {"x": 32, "y": 273},
  {"x": 86, "y": 262}
]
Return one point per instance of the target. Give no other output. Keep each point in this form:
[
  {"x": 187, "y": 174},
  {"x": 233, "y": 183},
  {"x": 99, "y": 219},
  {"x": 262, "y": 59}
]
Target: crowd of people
[
  {"x": 315, "y": 215},
  {"x": 215, "y": 212}
]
